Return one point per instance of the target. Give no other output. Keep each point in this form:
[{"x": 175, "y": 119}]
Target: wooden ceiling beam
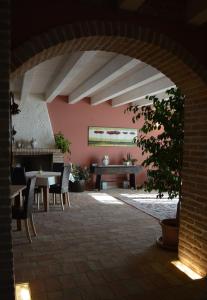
[
  {"x": 112, "y": 70},
  {"x": 71, "y": 68},
  {"x": 135, "y": 80}
]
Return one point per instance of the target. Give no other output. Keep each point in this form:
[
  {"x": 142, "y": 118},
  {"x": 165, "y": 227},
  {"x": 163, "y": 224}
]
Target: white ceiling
[{"x": 99, "y": 75}]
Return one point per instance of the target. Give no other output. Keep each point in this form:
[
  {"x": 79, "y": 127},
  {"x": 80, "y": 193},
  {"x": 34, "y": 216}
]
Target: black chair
[
  {"x": 57, "y": 167},
  {"x": 25, "y": 212},
  {"x": 62, "y": 187},
  {"x": 18, "y": 176}
]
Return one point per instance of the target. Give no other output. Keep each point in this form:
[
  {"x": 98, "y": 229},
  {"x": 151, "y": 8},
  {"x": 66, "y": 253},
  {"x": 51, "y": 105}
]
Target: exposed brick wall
[
  {"x": 6, "y": 257},
  {"x": 171, "y": 59},
  {"x": 193, "y": 227}
]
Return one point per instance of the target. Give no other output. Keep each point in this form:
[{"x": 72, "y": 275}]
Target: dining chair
[
  {"x": 61, "y": 188},
  {"x": 18, "y": 176},
  {"x": 25, "y": 212}
]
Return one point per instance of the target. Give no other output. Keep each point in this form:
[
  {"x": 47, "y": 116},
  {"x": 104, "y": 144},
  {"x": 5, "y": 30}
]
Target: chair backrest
[
  {"x": 29, "y": 198},
  {"x": 65, "y": 178},
  {"x": 57, "y": 167},
  {"x": 18, "y": 176}
]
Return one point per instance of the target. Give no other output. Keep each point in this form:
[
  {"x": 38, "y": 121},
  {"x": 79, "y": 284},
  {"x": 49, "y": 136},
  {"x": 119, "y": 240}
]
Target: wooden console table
[{"x": 116, "y": 169}]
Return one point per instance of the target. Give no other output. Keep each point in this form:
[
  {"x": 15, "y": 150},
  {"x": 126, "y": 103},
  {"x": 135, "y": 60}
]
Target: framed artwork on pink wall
[{"x": 111, "y": 136}]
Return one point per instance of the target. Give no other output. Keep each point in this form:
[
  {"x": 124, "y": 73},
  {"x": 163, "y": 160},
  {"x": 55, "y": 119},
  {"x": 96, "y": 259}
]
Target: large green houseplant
[{"x": 164, "y": 150}]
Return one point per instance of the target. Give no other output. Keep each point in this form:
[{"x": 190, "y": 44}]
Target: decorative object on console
[
  {"x": 105, "y": 160},
  {"x": 128, "y": 161},
  {"x": 112, "y": 136}
]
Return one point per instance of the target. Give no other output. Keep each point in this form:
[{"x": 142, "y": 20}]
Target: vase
[
  {"x": 19, "y": 144},
  {"x": 33, "y": 143},
  {"x": 105, "y": 161}
]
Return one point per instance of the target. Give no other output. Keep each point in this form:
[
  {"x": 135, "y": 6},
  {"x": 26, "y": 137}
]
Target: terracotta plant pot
[{"x": 169, "y": 239}]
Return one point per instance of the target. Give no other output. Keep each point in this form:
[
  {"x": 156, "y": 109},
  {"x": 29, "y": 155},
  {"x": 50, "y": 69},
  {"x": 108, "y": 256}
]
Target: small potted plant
[
  {"x": 81, "y": 176},
  {"x": 62, "y": 143},
  {"x": 128, "y": 161}
]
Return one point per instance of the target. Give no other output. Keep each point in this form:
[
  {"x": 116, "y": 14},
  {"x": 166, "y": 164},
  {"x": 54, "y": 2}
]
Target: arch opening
[{"x": 173, "y": 61}]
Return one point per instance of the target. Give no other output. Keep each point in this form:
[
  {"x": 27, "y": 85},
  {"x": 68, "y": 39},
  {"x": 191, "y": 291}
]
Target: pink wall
[{"x": 73, "y": 121}]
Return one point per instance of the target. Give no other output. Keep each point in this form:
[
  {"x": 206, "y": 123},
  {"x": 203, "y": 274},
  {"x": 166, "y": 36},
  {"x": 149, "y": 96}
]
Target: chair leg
[
  {"x": 61, "y": 201},
  {"x": 53, "y": 198},
  {"x": 38, "y": 201},
  {"x": 19, "y": 225},
  {"x": 42, "y": 200},
  {"x": 68, "y": 199},
  {"x": 33, "y": 225},
  {"x": 27, "y": 230}
]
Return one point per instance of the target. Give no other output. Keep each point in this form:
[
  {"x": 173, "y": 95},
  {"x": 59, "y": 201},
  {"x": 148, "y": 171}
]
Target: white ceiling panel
[{"x": 100, "y": 75}]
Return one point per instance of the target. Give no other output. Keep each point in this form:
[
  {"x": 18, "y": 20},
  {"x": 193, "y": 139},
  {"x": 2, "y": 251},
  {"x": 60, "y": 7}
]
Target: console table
[{"x": 116, "y": 169}]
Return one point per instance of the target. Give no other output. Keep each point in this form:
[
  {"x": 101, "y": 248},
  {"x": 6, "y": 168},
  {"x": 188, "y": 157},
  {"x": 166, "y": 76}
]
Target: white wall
[{"x": 33, "y": 122}]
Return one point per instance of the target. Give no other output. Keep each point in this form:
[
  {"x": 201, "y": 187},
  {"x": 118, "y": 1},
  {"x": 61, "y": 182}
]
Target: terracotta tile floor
[{"x": 99, "y": 250}]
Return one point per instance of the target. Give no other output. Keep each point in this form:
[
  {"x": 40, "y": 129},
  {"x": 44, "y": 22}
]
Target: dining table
[
  {"x": 16, "y": 198},
  {"x": 45, "y": 179}
]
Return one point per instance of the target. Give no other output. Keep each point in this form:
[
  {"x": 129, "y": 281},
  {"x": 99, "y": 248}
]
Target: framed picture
[{"x": 111, "y": 136}]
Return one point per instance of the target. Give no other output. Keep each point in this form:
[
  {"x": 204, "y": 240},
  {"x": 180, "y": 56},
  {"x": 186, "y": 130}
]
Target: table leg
[
  {"x": 19, "y": 225},
  {"x": 46, "y": 197},
  {"x": 98, "y": 182},
  {"x": 132, "y": 181},
  {"x": 64, "y": 198}
]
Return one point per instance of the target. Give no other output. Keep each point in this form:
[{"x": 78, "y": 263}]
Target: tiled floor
[{"x": 99, "y": 249}]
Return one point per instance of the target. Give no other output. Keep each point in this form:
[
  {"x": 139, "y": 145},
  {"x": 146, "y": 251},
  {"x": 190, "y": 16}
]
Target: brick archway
[{"x": 171, "y": 59}]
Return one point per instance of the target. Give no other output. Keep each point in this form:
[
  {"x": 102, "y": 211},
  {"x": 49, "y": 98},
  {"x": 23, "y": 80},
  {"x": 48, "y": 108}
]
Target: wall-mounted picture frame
[{"x": 111, "y": 136}]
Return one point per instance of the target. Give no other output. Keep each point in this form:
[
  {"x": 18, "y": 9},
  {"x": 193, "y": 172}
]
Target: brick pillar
[
  {"x": 6, "y": 256},
  {"x": 193, "y": 224}
]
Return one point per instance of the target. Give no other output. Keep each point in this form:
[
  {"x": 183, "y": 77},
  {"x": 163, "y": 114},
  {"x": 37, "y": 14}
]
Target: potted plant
[
  {"x": 164, "y": 152},
  {"x": 62, "y": 143},
  {"x": 128, "y": 161},
  {"x": 80, "y": 177}
]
